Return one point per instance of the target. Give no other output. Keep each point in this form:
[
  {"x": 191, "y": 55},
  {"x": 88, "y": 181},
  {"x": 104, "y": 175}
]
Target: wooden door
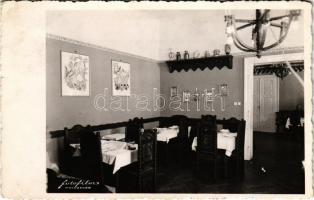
[{"x": 266, "y": 103}]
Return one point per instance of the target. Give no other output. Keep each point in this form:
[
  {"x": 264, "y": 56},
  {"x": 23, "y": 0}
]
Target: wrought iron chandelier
[{"x": 262, "y": 22}]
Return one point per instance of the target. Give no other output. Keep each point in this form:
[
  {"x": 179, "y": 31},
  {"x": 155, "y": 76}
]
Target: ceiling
[{"x": 150, "y": 33}]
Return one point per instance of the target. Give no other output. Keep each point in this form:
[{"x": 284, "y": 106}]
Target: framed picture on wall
[
  {"x": 223, "y": 89},
  {"x": 121, "y": 78},
  {"x": 173, "y": 91},
  {"x": 209, "y": 97},
  {"x": 74, "y": 74},
  {"x": 186, "y": 96}
]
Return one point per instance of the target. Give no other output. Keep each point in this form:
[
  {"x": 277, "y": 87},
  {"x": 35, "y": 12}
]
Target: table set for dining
[
  {"x": 118, "y": 153},
  {"x": 166, "y": 134},
  {"x": 114, "y": 151},
  {"x": 174, "y": 143},
  {"x": 225, "y": 140},
  {"x": 288, "y": 123}
]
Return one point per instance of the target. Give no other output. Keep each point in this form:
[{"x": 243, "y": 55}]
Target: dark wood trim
[
  {"x": 60, "y": 133},
  {"x": 194, "y": 120},
  {"x": 56, "y": 134}
]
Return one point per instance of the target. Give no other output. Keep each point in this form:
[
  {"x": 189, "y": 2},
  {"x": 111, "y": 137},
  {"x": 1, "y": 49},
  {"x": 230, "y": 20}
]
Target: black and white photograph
[
  {"x": 147, "y": 143},
  {"x": 174, "y": 100}
]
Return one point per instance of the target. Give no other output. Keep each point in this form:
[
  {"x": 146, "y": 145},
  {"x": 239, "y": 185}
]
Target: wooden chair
[
  {"x": 295, "y": 128},
  {"x": 132, "y": 129},
  {"x": 282, "y": 116},
  {"x": 88, "y": 164},
  {"x": 232, "y": 124},
  {"x": 70, "y": 158},
  {"x": 172, "y": 121},
  {"x": 91, "y": 155},
  {"x": 143, "y": 172},
  {"x": 206, "y": 150},
  {"x": 177, "y": 120},
  {"x": 235, "y": 163},
  {"x": 209, "y": 117},
  {"x": 179, "y": 146}
]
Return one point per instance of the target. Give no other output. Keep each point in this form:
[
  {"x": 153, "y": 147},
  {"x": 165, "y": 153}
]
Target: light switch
[
  {"x": 235, "y": 103},
  {"x": 239, "y": 103}
]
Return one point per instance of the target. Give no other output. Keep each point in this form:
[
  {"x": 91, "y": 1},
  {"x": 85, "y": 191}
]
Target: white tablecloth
[
  {"x": 115, "y": 136},
  {"x": 116, "y": 153},
  {"x": 165, "y": 134},
  {"x": 224, "y": 141}
]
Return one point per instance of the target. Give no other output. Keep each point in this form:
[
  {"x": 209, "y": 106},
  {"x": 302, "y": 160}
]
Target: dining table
[
  {"x": 115, "y": 151},
  {"x": 288, "y": 123},
  {"x": 163, "y": 134},
  {"x": 118, "y": 153},
  {"x": 225, "y": 140},
  {"x": 166, "y": 134}
]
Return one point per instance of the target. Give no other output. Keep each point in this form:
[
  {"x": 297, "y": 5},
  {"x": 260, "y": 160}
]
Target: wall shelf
[{"x": 200, "y": 63}]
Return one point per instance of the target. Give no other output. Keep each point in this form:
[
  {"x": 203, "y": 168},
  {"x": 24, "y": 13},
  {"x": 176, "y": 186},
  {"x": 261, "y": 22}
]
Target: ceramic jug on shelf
[
  {"x": 178, "y": 56},
  {"x": 207, "y": 54},
  {"x": 171, "y": 55},
  {"x": 186, "y": 55},
  {"x": 227, "y": 49},
  {"x": 216, "y": 52}
]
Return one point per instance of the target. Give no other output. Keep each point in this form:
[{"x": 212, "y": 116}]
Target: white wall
[
  {"x": 126, "y": 31},
  {"x": 157, "y": 31}
]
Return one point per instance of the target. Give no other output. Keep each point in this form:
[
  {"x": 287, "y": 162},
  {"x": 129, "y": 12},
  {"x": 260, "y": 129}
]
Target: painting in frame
[
  {"x": 75, "y": 74},
  {"x": 121, "y": 76},
  {"x": 186, "y": 96},
  {"x": 173, "y": 91}
]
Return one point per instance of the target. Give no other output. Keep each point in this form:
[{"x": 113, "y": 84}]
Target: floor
[{"x": 275, "y": 169}]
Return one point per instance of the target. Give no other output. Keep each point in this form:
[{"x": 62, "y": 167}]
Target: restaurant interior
[{"x": 175, "y": 101}]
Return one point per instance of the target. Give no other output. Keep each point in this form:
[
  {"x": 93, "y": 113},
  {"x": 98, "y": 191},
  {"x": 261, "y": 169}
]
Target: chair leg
[
  {"x": 117, "y": 182},
  {"x": 226, "y": 167},
  {"x": 154, "y": 183},
  {"x": 197, "y": 165},
  {"x": 167, "y": 154},
  {"x": 139, "y": 184},
  {"x": 215, "y": 170},
  {"x": 239, "y": 167}
]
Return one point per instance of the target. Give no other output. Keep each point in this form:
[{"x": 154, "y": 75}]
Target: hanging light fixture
[{"x": 262, "y": 22}]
